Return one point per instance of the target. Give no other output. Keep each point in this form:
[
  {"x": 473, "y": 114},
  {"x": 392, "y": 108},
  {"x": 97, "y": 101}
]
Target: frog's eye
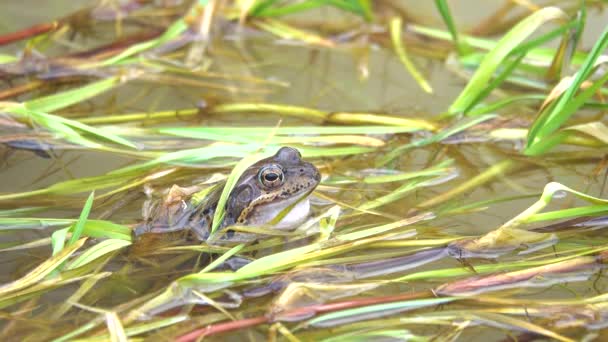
[{"x": 271, "y": 176}]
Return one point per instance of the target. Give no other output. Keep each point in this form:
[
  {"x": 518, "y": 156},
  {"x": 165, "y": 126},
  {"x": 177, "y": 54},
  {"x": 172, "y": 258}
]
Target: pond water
[{"x": 142, "y": 289}]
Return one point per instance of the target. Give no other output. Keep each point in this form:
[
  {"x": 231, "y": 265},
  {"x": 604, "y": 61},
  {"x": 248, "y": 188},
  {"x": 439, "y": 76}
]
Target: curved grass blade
[
  {"x": 374, "y": 311},
  {"x": 68, "y": 128},
  {"x": 97, "y": 251},
  {"x": 70, "y": 97},
  {"x": 172, "y": 32},
  {"x": 265, "y": 8},
  {"x": 37, "y": 110},
  {"x": 395, "y": 29},
  {"x": 548, "y": 193},
  {"x": 41, "y": 271}
]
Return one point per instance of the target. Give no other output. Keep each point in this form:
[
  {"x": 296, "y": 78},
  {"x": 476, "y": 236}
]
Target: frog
[{"x": 272, "y": 192}]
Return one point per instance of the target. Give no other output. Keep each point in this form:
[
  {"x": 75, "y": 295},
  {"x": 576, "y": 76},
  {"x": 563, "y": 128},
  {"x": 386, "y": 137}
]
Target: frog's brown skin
[{"x": 263, "y": 191}]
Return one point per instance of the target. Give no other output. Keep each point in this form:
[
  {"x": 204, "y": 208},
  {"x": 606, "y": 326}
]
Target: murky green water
[{"x": 330, "y": 79}]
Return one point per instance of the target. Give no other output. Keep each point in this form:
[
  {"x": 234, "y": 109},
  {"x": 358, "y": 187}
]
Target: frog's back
[{"x": 171, "y": 216}]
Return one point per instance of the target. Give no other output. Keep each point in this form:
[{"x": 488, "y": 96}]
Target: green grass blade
[
  {"x": 545, "y": 143},
  {"x": 172, "y": 32},
  {"x": 68, "y": 128},
  {"x": 592, "y": 210},
  {"x": 107, "y": 229},
  {"x": 504, "y": 73},
  {"x": 58, "y": 240},
  {"x": 97, "y": 251},
  {"x": 458, "y": 127},
  {"x": 444, "y": 10},
  {"x": 234, "y": 250},
  {"x": 7, "y": 59},
  {"x": 494, "y": 106},
  {"x": 554, "y": 116},
  {"x": 92, "y": 228},
  {"x": 79, "y": 226},
  {"x": 352, "y": 315},
  {"x": 236, "y": 172},
  {"x": 482, "y": 178},
  {"x": 266, "y": 8},
  {"x": 70, "y": 97},
  {"x": 41, "y": 271},
  {"x": 496, "y": 56}
]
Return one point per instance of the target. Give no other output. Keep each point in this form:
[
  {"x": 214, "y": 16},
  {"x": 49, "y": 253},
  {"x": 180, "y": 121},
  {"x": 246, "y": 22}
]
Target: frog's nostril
[{"x": 317, "y": 176}]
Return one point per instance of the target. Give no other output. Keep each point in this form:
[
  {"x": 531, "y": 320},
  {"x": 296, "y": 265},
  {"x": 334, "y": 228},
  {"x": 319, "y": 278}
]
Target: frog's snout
[
  {"x": 312, "y": 172},
  {"x": 316, "y": 175}
]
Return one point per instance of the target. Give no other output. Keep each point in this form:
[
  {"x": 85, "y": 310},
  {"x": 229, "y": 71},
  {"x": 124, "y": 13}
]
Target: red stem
[
  {"x": 222, "y": 327},
  {"x": 29, "y": 32},
  {"x": 296, "y": 315}
]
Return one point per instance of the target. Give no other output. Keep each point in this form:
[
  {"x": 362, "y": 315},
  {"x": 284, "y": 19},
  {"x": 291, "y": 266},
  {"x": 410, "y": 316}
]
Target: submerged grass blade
[
  {"x": 92, "y": 228},
  {"x": 97, "y": 251},
  {"x": 484, "y": 177},
  {"x": 69, "y": 128},
  {"x": 41, "y": 271},
  {"x": 217, "y": 262},
  {"x": 285, "y": 31},
  {"x": 524, "y": 325},
  {"x": 172, "y": 32},
  {"x": 37, "y": 111},
  {"x": 447, "y": 132},
  {"x": 263, "y": 131},
  {"x": 373, "y": 311},
  {"x": 65, "y": 99}
]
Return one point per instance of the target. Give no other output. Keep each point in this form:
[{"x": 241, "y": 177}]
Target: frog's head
[{"x": 273, "y": 191}]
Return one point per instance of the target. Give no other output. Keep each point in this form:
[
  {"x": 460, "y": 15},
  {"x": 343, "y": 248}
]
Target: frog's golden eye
[{"x": 271, "y": 176}]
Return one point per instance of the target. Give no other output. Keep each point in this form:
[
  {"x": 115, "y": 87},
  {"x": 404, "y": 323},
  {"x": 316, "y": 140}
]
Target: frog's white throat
[{"x": 266, "y": 213}]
